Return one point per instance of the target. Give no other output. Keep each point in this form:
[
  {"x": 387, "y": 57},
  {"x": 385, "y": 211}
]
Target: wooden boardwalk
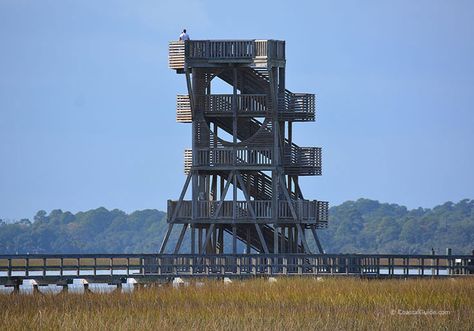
[{"x": 149, "y": 268}]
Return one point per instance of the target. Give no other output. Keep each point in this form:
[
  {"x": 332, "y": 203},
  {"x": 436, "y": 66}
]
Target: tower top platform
[{"x": 221, "y": 53}]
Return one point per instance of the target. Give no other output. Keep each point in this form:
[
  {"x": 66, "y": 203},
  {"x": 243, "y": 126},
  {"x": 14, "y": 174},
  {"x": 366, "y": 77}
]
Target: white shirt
[{"x": 183, "y": 36}]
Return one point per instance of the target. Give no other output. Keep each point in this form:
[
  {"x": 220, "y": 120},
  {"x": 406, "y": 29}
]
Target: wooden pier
[{"x": 157, "y": 268}]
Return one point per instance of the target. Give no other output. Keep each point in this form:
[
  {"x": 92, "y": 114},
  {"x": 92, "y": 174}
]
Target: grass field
[{"x": 298, "y": 304}]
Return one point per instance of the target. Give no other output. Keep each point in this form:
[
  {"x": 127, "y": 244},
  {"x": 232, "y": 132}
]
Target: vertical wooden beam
[
  {"x": 214, "y": 240},
  {"x": 193, "y": 239},
  {"x": 248, "y": 239},
  {"x": 220, "y": 240},
  {"x": 234, "y": 239},
  {"x": 296, "y": 240},
  {"x": 200, "y": 240},
  {"x": 282, "y": 240},
  {"x": 275, "y": 238},
  {"x": 290, "y": 240},
  {"x": 272, "y": 76},
  {"x": 234, "y": 197}
]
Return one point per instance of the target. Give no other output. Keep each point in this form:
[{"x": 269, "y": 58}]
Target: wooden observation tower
[{"x": 243, "y": 169}]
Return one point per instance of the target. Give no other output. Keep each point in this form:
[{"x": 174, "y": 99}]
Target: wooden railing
[
  {"x": 182, "y": 53},
  {"x": 220, "y": 49},
  {"x": 176, "y": 55},
  {"x": 183, "y": 109},
  {"x": 215, "y": 157},
  {"x": 294, "y": 105},
  {"x": 146, "y": 268},
  {"x": 302, "y": 156},
  {"x": 299, "y": 158},
  {"x": 222, "y": 103},
  {"x": 306, "y": 210},
  {"x": 271, "y": 49}
]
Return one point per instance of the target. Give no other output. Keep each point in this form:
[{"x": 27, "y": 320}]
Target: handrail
[
  {"x": 291, "y": 105},
  {"x": 302, "y": 156},
  {"x": 297, "y": 102},
  {"x": 103, "y": 268},
  {"x": 220, "y": 49},
  {"x": 224, "y": 156},
  {"x": 246, "y": 103},
  {"x": 293, "y": 157},
  {"x": 307, "y": 210},
  {"x": 181, "y": 52}
]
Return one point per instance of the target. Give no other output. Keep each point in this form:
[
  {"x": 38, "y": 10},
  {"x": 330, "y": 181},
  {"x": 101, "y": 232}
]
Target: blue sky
[{"x": 87, "y": 102}]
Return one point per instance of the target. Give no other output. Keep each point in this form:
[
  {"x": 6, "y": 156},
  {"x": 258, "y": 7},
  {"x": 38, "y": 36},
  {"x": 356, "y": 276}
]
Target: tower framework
[{"x": 243, "y": 169}]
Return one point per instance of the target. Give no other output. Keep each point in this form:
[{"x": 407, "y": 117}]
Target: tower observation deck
[{"x": 243, "y": 169}]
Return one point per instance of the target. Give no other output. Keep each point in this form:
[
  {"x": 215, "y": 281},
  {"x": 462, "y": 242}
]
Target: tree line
[{"x": 362, "y": 226}]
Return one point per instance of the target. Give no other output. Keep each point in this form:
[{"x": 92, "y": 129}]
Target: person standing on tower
[{"x": 183, "y": 36}]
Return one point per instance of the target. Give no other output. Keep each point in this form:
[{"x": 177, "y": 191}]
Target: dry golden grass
[{"x": 298, "y": 304}]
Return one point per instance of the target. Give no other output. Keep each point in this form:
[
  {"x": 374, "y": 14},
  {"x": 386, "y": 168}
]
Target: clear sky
[{"x": 87, "y": 102}]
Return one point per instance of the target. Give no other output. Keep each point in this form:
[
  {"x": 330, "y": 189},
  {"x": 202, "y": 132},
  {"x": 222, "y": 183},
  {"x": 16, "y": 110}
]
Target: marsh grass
[{"x": 293, "y": 303}]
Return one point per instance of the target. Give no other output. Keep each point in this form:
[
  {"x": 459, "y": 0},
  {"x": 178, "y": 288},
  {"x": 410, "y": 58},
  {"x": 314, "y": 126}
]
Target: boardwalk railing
[
  {"x": 109, "y": 268},
  {"x": 308, "y": 211}
]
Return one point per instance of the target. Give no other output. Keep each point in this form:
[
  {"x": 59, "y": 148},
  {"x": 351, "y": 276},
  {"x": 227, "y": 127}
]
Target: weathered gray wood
[
  {"x": 156, "y": 267},
  {"x": 262, "y": 239},
  {"x": 316, "y": 238},
  {"x": 254, "y": 116},
  {"x": 166, "y": 238},
  {"x": 303, "y": 239},
  {"x": 180, "y": 239}
]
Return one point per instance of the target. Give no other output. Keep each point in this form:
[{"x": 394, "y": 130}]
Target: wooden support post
[
  {"x": 283, "y": 239},
  {"x": 221, "y": 239},
  {"x": 128, "y": 266},
  {"x": 234, "y": 239},
  {"x": 200, "y": 240},
  {"x": 214, "y": 240},
  {"x": 275, "y": 238},
  {"x": 193, "y": 238},
  {"x": 290, "y": 240},
  {"x": 248, "y": 240},
  {"x": 9, "y": 271}
]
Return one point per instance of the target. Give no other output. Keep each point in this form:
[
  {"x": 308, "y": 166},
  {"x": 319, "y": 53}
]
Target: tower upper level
[{"x": 218, "y": 53}]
